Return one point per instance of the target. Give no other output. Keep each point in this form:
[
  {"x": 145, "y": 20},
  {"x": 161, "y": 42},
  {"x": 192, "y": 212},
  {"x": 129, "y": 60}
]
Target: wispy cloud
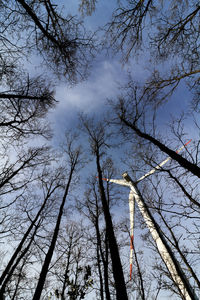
[{"x": 91, "y": 94}]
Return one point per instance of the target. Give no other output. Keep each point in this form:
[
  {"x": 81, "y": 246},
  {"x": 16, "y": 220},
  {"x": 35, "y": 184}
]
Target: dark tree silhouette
[
  {"x": 98, "y": 141},
  {"x": 50, "y": 187},
  {"x": 73, "y": 161}
]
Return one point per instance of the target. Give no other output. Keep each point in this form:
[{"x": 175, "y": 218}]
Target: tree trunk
[
  {"x": 194, "y": 169},
  {"x": 49, "y": 254},
  {"x": 116, "y": 262}
]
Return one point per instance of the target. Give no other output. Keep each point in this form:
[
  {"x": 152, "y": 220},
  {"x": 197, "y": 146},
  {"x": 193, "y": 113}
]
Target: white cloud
[{"x": 90, "y": 95}]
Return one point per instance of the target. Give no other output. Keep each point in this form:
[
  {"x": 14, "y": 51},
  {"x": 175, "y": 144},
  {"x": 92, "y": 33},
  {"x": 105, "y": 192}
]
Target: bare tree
[
  {"x": 167, "y": 34},
  {"x": 98, "y": 142},
  {"x": 16, "y": 177},
  {"x": 50, "y": 183},
  {"x": 60, "y": 40},
  {"x": 163, "y": 31},
  {"x": 70, "y": 274},
  {"x": 23, "y": 107},
  {"x": 132, "y": 114},
  {"x": 92, "y": 209},
  {"x": 175, "y": 216},
  {"x": 73, "y": 160}
]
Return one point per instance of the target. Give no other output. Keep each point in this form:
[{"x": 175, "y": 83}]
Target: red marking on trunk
[{"x": 131, "y": 241}]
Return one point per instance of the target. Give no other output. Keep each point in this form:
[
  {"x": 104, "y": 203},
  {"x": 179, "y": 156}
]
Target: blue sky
[{"x": 106, "y": 74}]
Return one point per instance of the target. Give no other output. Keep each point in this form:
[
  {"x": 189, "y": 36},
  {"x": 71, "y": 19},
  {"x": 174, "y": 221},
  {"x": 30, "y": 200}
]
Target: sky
[
  {"x": 106, "y": 74},
  {"x": 90, "y": 96}
]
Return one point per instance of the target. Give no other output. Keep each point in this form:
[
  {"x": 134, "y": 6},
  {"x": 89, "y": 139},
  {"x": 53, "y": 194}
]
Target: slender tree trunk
[
  {"x": 194, "y": 169},
  {"x": 105, "y": 262},
  {"x": 98, "y": 257},
  {"x": 49, "y": 254},
  {"x": 66, "y": 271},
  {"x": 106, "y": 282},
  {"x": 182, "y": 255},
  {"x": 34, "y": 17},
  {"x": 18, "y": 281},
  {"x": 141, "y": 289},
  {"x": 19, "y": 247},
  {"x": 7, "y": 279},
  {"x": 116, "y": 262}
]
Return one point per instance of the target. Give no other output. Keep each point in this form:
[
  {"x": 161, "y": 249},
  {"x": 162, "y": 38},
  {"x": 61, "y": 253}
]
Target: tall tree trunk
[
  {"x": 49, "y": 254},
  {"x": 194, "y": 169},
  {"x": 66, "y": 271},
  {"x": 116, "y": 262},
  {"x": 106, "y": 282},
  {"x": 99, "y": 270},
  {"x": 13, "y": 268},
  {"x": 19, "y": 247}
]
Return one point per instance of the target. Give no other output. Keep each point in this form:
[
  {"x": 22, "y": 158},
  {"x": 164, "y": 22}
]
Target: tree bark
[
  {"x": 194, "y": 169},
  {"x": 116, "y": 262},
  {"x": 49, "y": 254},
  {"x": 19, "y": 247}
]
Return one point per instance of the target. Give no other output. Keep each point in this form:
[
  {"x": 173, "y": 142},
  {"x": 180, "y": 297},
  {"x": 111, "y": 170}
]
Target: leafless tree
[
  {"x": 167, "y": 34},
  {"x": 70, "y": 275},
  {"x": 92, "y": 209},
  {"x": 132, "y": 113},
  {"x": 74, "y": 158},
  {"x": 60, "y": 39},
  {"x": 50, "y": 183},
  {"x": 24, "y": 104},
  {"x": 98, "y": 142}
]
